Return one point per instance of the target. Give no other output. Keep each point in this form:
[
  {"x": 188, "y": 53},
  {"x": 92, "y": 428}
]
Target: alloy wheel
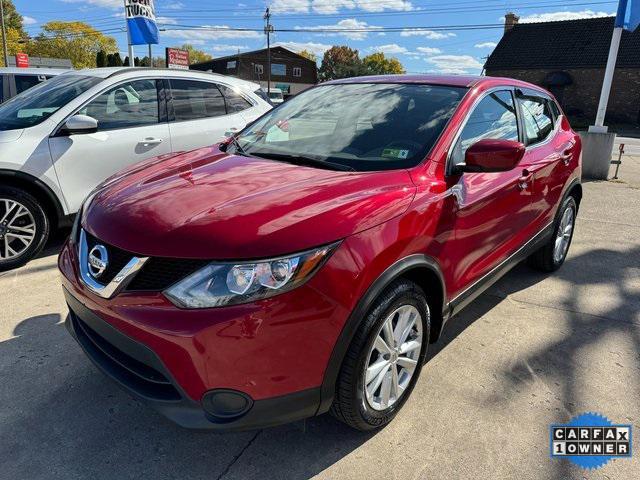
[
  {"x": 17, "y": 229},
  {"x": 563, "y": 235},
  {"x": 393, "y": 357}
]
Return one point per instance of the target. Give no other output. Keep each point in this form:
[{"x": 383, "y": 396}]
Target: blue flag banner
[
  {"x": 628, "y": 16},
  {"x": 141, "y": 22}
]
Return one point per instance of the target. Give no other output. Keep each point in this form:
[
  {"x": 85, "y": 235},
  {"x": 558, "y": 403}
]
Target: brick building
[
  {"x": 568, "y": 58},
  {"x": 290, "y": 72}
]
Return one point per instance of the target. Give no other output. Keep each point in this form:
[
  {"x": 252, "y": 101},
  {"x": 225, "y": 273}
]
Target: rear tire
[
  {"x": 24, "y": 227},
  {"x": 551, "y": 256},
  {"x": 358, "y": 402}
]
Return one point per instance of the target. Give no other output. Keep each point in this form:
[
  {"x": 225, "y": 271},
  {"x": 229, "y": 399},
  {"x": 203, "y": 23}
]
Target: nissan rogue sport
[{"x": 306, "y": 264}]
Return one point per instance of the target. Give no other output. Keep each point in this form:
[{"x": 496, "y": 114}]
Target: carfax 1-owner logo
[{"x": 590, "y": 440}]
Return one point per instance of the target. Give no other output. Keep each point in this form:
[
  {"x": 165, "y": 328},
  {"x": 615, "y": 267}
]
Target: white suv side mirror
[{"x": 78, "y": 124}]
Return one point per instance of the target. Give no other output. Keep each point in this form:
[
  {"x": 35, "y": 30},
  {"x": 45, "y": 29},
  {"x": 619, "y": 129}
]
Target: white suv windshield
[
  {"x": 359, "y": 126},
  {"x": 35, "y": 105}
]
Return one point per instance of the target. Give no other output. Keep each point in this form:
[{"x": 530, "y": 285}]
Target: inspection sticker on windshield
[
  {"x": 590, "y": 440},
  {"x": 395, "y": 153}
]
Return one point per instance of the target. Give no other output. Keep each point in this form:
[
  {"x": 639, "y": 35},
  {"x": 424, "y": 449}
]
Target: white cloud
[
  {"x": 290, "y": 6},
  {"x": 391, "y": 49},
  {"x": 346, "y": 24},
  {"x": 313, "y": 47},
  {"x": 430, "y": 34},
  {"x": 381, "y": 5},
  {"x": 558, "y": 16},
  {"x": 220, "y": 48},
  {"x": 28, "y": 20},
  {"x": 210, "y": 32},
  {"x": 458, "y": 64},
  {"x": 331, "y": 6},
  {"x": 325, "y": 7},
  {"x": 429, "y": 50},
  {"x": 172, "y": 6},
  {"x": 166, "y": 20},
  {"x": 99, "y": 3},
  {"x": 486, "y": 45}
]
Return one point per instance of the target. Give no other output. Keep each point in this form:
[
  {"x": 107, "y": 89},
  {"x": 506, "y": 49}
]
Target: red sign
[
  {"x": 177, "y": 58},
  {"x": 22, "y": 60}
]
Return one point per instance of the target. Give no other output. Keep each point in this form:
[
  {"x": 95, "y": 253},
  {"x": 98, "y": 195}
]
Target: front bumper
[{"x": 138, "y": 370}]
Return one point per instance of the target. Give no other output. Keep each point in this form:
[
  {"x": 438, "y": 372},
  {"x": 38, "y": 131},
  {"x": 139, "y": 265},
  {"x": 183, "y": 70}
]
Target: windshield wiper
[
  {"x": 236, "y": 144},
  {"x": 303, "y": 160}
]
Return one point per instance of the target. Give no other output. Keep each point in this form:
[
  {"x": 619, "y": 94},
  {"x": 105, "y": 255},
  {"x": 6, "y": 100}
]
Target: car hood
[
  {"x": 208, "y": 204},
  {"x": 7, "y": 136}
]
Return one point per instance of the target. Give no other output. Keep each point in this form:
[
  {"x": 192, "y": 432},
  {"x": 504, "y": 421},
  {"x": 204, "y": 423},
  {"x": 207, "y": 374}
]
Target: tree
[
  {"x": 101, "y": 59},
  {"x": 114, "y": 60},
  {"x": 76, "y": 41},
  {"x": 145, "y": 62},
  {"x": 340, "y": 62},
  {"x": 16, "y": 36},
  {"x": 378, "y": 64},
  {"x": 310, "y": 55},
  {"x": 12, "y": 19},
  {"x": 195, "y": 55}
]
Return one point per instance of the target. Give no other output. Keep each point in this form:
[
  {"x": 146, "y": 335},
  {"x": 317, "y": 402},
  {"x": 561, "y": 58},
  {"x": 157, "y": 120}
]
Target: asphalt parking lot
[{"x": 534, "y": 350}]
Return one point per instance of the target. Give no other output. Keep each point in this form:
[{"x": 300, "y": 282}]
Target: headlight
[{"x": 220, "y": 284}]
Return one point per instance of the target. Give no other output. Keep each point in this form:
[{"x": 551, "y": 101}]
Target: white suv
[{"x": 60, "y": 139}]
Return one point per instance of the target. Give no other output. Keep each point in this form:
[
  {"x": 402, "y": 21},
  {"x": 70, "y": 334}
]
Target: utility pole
[
  {"x": 268, "y": 28},
  {"x": 4, "y": 35}
]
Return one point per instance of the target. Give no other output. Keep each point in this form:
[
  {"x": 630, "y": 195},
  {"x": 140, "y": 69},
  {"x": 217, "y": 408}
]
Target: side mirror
[
  {"x": 78, "y": 124},
  {"x": 492, "y": 156}
]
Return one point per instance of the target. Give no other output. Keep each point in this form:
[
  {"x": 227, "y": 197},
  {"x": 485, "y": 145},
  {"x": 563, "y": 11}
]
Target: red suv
[{"x": 306, "y": 264}]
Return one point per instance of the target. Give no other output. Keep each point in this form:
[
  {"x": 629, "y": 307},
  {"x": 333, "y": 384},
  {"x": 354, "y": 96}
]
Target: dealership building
[{"x": 290, "y": 72}]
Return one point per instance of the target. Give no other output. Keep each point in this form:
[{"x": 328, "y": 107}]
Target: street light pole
[{"x": 4, "y": 35}]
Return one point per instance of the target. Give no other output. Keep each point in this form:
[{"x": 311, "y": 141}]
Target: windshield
[
  {"x": 35, "y": 105},
  {"x": 361, "y": 126},
  {"x": 275, "y": 95}
]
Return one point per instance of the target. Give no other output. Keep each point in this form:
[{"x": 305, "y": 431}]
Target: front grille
[
  {"x": 157, "y": 274},
  {"x": 139, "y": 377},
  {"x": 160, "y": 273},
  {"x": 117, "y": 258}
]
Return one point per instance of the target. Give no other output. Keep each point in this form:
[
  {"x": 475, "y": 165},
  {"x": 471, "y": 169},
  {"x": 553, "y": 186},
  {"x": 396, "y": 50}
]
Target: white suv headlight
[{"x": 221, "y": 283}]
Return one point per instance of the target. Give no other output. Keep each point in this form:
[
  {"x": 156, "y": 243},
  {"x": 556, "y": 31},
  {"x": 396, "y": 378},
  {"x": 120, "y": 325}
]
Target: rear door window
[
  {"x": 193, "y": 100},
  {"x": 25, "y": 82},
  {"x": 537, "y": 118},
  {"x": 235, "y": 101}
]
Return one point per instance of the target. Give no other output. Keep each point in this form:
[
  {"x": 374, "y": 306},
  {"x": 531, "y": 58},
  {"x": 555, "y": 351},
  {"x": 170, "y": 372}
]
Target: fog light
[{"x": 226, "y": 404}]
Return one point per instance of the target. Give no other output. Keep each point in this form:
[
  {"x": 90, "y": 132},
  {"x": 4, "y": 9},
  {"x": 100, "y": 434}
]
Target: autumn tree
[
  {"x": 76, "y": 41},
  {"x": 16, "y": 36},
  {"x": 195, "y": 55},
  {"x": 340, "y": 62},
  {"x": 309, "y": 55},
  {"x": 378, "y": 64}
]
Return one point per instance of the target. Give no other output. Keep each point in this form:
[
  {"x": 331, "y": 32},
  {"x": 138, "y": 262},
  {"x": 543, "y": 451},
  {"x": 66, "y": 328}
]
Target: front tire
[
  {"x": 385, "y": 358},
  {"x": 551, "y": 257},
  {"x": 24, "y": 227}
]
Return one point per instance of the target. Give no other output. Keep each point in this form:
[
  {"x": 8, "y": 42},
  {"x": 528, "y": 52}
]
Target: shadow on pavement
[{"x": 60, "y": 418}]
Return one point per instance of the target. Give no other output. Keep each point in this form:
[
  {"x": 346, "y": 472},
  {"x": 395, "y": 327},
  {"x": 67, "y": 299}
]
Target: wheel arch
[
  {"x": 422, "y": 270},
  {"x": 43, "y": 193}
]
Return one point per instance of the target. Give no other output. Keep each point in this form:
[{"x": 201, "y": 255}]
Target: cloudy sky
[{"x": 425, "y": 35}]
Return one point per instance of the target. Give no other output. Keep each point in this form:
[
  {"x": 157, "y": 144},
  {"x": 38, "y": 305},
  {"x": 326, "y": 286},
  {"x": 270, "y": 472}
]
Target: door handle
[
  {"x": 525, "y": 179},
  {"x": 567, "y": 154},
  {"x": 147, "y": 142}
]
